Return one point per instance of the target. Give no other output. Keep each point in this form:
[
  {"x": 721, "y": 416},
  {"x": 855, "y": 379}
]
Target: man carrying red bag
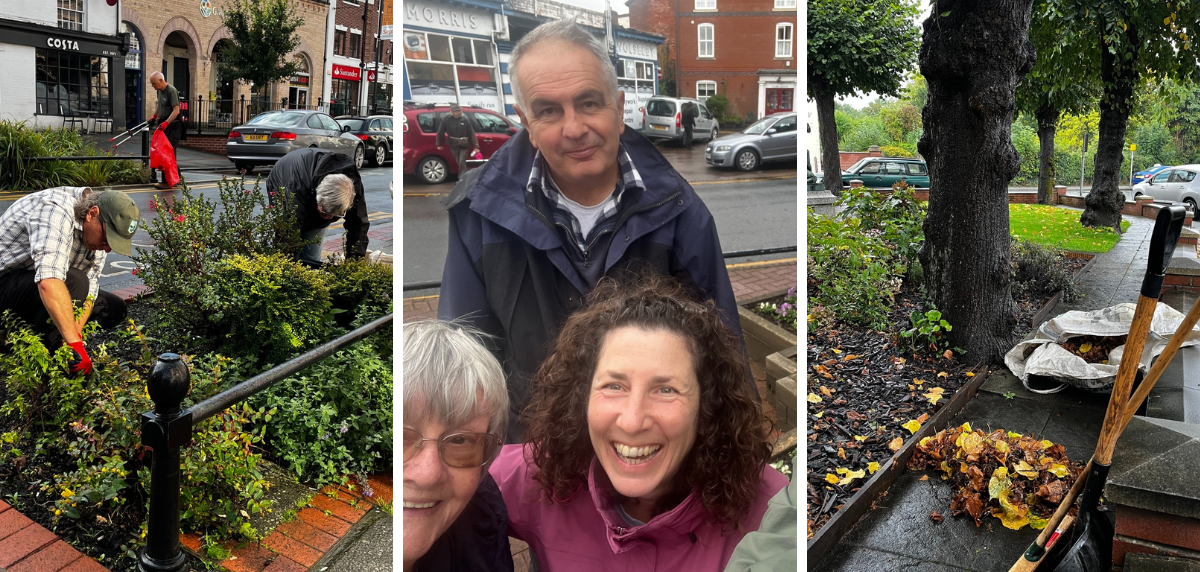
[{"x": 168, "y": 108}]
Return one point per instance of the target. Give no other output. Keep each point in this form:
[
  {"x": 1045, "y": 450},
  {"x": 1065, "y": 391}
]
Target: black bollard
[{"x": 165, "y": 430}]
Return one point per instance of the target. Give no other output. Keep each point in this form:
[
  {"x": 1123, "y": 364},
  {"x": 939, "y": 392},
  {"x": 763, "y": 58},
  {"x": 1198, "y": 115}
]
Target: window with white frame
[
  {"x": 785, "y": 4},
  {"x": 706, "y": 4},
  {"x": 783, "y": 40},
  {"x": 705, "y": 90},
  {"x": 705, "y": 34},
  {"x": 70, "y": 15}
]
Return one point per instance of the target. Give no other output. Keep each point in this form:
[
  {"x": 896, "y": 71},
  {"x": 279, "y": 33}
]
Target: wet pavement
[{"x": 899, "y": 534}]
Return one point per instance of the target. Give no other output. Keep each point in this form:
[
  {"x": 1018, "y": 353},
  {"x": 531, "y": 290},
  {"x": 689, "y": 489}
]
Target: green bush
[
  {"x": 334, "y": 418},
  {"x": 355, "y": 283},
  {"x": 897, "y": 216},
  {"x": 191, "y": 235},
  {"x": 268, "y": 306},
  {"x": 852, "y": 269},
  {"x": 18, "y": 142},
  {"x": 1036, "y": 270},
  {"x": 717, "y": 105},
  {"x": 894, "y": 151},
  {"x": 95, "y": 421}
]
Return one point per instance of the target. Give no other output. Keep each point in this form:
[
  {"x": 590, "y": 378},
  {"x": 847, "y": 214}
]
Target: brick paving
[
  {"x": 26, "y": 546},
  {"x": 297, "y": 545},
  {"x": 750, "y": 280}
]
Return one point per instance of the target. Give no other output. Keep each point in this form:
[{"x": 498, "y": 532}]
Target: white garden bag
[{"x": 1041, "y": 354}]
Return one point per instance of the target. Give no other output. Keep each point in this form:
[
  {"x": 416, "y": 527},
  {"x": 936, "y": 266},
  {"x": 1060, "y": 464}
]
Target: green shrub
[
  {"x": 852, "y": 269},
  {"x": 18, "y": 143},
  {"x": 898, "y": 216},
  {"x": 96, "y": 421},
  {"x": 928, "y": 332},
  {"x": 894, "y": 151},
  {"x": 334, "y": 418},
  {"x": 356, "y": 282},
  {"x": 268, "y": 306},
  {"x": 1036, "y": 270},
  {"x": 191, "y": 234},
  {"x": 717, "y": 105}
]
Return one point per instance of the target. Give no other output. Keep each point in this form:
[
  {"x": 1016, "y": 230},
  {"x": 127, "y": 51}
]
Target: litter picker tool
[
  {"x": 1086, "y": 546},
  {"x": 126, "y": 134}
]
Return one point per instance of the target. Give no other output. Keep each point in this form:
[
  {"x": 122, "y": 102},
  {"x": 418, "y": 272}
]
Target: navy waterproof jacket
[{"x": 508, "y": 273}]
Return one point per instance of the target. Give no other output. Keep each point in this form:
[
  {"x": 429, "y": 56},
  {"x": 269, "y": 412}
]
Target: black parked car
[{"x": 375, "y": 131}]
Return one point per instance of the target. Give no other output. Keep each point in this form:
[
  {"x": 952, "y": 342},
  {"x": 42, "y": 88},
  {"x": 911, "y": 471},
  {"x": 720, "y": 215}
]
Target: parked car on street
[
  {"x": 375, "y": 131},
  {"x": 662, "y": 120},
  {"x": 1142, "y": 176},
  {"x": 420, "y": 126},
  {"x": 1174, "y": 184},
  {"x": 270, "y": 135},
  {"x": 883, "y": 172},
  {"x": 772, "y": 138}
]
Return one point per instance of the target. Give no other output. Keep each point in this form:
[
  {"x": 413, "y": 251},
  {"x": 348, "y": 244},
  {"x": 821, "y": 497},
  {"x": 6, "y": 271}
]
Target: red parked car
[{"x": 420, "y": 127}]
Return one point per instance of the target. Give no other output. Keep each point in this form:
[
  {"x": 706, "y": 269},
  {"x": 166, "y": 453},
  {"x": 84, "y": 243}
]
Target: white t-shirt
[{"x": 586, "y": 216}]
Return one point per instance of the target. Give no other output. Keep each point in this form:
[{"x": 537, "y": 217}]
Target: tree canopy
[
  {"x": 857, "y": 46},
  {"x": 263, "y": 34}
]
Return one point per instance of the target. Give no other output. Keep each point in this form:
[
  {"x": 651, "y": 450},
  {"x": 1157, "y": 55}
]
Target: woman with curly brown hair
[{"x": 647, "y": 448}]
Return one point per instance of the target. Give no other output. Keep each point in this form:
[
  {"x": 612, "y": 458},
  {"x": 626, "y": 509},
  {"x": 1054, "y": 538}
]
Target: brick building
[
  {"x": 183, "y": 39},
  {"x": 355, "y": 85},
  {"x": 745, "y": 50}
]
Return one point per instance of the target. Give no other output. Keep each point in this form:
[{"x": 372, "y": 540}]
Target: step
[
  {"x": 1155, "y": 563},
  {"x": 366, "y": 548}
]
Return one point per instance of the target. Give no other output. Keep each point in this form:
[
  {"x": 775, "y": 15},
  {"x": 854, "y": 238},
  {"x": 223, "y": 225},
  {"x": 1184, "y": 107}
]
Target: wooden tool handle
[
  {"x": 1160, "y": 364},
  {"x": 1054, "y": 535},
  {"x": 1125, "y": 373}
]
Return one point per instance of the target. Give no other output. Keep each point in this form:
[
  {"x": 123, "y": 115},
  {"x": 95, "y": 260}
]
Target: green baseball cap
[{"x": 121, "y": 218}]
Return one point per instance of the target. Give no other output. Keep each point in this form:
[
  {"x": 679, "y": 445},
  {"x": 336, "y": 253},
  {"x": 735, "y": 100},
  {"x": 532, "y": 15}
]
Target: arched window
[
  {"x": 704, "y": 33},
  {"x": 300, "y": 84},
  {"x": 133, "y": 60}
]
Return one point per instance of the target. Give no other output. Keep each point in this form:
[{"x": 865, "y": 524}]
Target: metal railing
[
  {"x": 168, "y": 429},
  {"x": 219, "y": 116},
  {"x": 433, "y": 284}
]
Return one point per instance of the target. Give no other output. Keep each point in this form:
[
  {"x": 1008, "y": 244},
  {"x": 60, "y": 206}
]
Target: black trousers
[
  {"x": 19, "y": 295},
  {"x": 173, "y": 130},
  {"x": 687, "y": 137}
]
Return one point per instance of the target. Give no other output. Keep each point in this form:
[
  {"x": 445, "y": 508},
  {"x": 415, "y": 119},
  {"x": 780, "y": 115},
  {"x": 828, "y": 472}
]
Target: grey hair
[
  {"x": 157, "y": 74},
  {"x": 85, "y": 202},
  {"x": 561, "y": 31},
  {"x": 335, "y": 194},
  {"x": 451, "y": 377}
]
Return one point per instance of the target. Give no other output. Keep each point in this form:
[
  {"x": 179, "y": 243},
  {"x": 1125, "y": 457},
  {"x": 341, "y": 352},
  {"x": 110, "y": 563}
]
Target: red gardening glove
[
  {"x": 81, "y": 362},
  {"x": 163, "y": 125}
]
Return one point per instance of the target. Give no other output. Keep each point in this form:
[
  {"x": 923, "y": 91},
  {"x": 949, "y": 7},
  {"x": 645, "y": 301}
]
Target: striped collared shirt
[
  {"x": 539, "y": 178},
  {"x": 39, "y": 231}
]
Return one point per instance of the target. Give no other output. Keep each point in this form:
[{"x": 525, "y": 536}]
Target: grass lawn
[{"x": 1059, "y": 228}]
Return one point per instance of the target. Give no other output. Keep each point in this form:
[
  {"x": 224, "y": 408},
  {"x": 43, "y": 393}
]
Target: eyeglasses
[{"x": 459, "y": 450}]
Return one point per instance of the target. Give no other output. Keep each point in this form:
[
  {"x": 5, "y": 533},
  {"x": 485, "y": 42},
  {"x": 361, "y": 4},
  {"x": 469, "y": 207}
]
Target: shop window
[
  {"x": 705, "y": 90},
  {"x": 645, "y": 71},
  {"x": 71, "y": 84},
  {"x": 462, "y": 50},
  {"x": 133, "y": 60},
  {"x": 477, "y": 80},
  {"x": 70, "y": 15},
  {"x": 785, "y": 4},
  {"x": 414, "y": 46},
  {"x": 439, "y": 48},
  {"x": 483, "y": 53},
  {"x": 339, "y": 42},
  {"x": 431, "y": 79},
  {"x": 706, "y": 4},
  {"x": 704, "y": 33},
  {"x": 783, "y": 40}
]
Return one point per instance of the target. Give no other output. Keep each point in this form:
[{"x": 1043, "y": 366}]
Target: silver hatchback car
[
  {"x": 772, "y": 138},
  {"x": 663, "y": 115},
  {"x": 270, "y": 135}
]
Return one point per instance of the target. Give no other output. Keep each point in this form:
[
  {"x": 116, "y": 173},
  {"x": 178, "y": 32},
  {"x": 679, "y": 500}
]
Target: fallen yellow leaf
[
  {"x": 831, "y": 479},
  {"x": 969, "y": 374},
  {"x": 895, "y": 444},
  {"x": 841, "y": 453},
  {"x": 924, "y": 478},
  {"x": 826, "y": 391},
  {"x": 819, "y": 415},
  {"x": 912, "y": 426},
  {"x": 872, "y": 467},
  {"x": 1026, "y": 470},
  {"x": 1085, "y": 348},
  {"x": 942, "y": 374},
  {"x": 860, "y": 438},
  {"x": 918, "y": 381},
  {"x": 814, "y": 398},
  {"x": 934, "y": 397},
  {"x": 851, "y": 475},
  {"x": 837, "y": 351}
]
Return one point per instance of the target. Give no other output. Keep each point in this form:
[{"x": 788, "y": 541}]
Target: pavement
[
  {"x": 188, "y": 159},
  {"x": 899, "y": 534},
  {"x": 368, "y": 546}
]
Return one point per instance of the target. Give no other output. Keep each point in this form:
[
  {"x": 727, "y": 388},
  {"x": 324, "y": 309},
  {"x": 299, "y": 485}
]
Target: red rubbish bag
[{"x": 162, "y": 156}]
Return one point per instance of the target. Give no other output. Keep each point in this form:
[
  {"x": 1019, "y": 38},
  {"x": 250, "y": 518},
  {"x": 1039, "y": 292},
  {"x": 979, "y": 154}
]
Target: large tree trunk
[
  {"x": 1118, "y": 75},
  {"x": 1047, "y": 120},
  {"x": 831, "y": 162},
  {"x": 972, "y": 58}
]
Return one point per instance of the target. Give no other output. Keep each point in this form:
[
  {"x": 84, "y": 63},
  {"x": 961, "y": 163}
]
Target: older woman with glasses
[
  {"x": 455, "y": 415},
  {"x": 647, "y": 448}
]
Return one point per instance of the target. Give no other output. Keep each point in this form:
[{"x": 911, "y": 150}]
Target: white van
[{"x": 663, "y": 121}]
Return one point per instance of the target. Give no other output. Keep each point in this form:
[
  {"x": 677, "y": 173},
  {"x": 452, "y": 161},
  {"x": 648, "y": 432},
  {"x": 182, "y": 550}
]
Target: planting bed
[{"x": 875, "y": 395}]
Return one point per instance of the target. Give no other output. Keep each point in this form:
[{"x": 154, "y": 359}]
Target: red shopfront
[
  {"x": 776, "y": 91},
  {"x": 343, "y": 92},
  {"x": 779, "y": 100}
]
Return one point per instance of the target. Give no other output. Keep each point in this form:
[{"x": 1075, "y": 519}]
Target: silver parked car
[
  {"x": 663, "y": 117},
  {"x": 1174, "y": 184},
  {"x": 270, "y": 135},
  {"x": 772, "y": 138}
]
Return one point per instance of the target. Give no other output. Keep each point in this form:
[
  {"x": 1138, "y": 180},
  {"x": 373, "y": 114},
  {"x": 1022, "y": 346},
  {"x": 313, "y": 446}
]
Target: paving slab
[
  {"x": 370, "y": 551},
  {"x": 1154, "y": 467}
]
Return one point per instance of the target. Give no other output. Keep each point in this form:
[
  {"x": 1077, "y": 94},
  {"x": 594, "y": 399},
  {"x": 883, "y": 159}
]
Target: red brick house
[{"x": 745, "y": 50}]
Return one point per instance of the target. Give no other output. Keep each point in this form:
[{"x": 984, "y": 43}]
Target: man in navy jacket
[{"x": 572, "y": 198}]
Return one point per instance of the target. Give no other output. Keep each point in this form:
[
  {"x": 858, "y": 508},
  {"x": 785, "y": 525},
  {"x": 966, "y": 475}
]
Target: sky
[
  {"x": 598, "y": 5},
  {"x": 861, "y": 101}
]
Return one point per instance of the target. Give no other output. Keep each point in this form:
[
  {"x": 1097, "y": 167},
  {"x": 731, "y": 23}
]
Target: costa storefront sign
[{"x": 346, "y": 72}]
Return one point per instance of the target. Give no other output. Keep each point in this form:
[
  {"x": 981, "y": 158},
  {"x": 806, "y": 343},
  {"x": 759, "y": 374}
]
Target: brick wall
[
  {"x": 206, "y": 143},
  {"x": 848, "y": 158}
]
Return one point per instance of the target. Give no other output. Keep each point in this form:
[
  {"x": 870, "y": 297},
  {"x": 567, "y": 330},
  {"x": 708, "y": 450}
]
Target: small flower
[
  {"x": 153, "y": 204},
  {"x": 180, "y": 218},
  {"x": 270, "y": 206},
  {"x": 325, "y": 436},
  {"x": 344, "y": 428},
  {"x": 135, "y": 272}
]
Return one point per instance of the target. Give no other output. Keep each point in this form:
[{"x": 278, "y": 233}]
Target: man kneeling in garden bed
[
  {"x": 322, "y": 186},
  {"x": 52, "y": 247}
]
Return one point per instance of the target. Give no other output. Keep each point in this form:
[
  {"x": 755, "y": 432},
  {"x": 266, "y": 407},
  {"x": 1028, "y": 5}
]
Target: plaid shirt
[
  {"x": 39, "y": 231},
  {"x": 539, "y": 178}
]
